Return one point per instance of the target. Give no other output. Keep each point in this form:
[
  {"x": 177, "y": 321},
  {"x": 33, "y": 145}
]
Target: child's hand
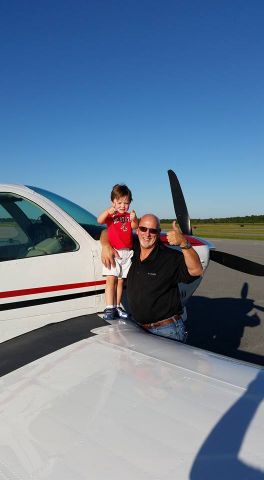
[
  {"x": 111, "y": 211},
  {"x": 132, "y": 215}
]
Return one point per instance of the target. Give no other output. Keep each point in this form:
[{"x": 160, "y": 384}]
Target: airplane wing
[{"x": 99, "y": 401}]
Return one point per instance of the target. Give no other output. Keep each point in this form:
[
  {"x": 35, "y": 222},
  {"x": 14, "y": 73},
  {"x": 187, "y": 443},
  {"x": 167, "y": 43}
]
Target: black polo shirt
[{"x": 152, "y": 284}]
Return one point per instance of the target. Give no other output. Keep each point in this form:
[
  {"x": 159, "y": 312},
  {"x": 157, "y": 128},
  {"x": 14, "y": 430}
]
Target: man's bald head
[{"x": 150, "y": 217}]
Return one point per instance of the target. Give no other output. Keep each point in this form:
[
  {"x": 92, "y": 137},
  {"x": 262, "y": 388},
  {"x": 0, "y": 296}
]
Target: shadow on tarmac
[{"x": 218, "y": 324}]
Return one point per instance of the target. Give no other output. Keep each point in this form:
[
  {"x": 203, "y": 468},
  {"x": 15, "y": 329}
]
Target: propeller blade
[
  {"x": 227, "y": 259},
  {"x": 237, "y": 263},
  {"x": 180, "y": 208}
]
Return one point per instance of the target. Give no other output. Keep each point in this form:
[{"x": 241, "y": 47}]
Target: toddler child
[{"x": 120, "y": 224}]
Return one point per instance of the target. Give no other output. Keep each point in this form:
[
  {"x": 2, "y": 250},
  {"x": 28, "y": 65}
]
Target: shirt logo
[
  {"x": 153, "y": 274},
  {"x": 123, "y": 220}
]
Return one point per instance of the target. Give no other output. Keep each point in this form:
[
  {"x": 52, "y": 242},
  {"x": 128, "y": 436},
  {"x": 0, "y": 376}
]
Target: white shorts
[{"x": 122, "y": 264}]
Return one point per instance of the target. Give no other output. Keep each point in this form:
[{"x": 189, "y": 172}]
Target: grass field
[
  {"x": 246, "y": 231},
  {"x": 238, "y": 231}
]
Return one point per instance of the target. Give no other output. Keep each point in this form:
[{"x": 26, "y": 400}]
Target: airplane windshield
[{"x": 86, "y": 219}]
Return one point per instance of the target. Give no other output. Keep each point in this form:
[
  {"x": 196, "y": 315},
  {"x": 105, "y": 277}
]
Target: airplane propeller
[
  {"x": 228, "y": 260},
  {"x": 180, "y": 208}
]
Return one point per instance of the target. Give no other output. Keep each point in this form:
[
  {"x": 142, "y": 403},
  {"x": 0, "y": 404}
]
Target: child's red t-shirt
[{"x": 119, "y": 230}]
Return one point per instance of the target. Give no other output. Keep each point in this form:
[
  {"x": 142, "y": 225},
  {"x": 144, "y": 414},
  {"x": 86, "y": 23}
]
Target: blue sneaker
[
  {"x": 110, "y": 314},
  {"x": 121, "y": 313}
]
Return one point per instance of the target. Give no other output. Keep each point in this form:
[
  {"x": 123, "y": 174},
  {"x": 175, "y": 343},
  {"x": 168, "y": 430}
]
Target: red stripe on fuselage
[
  {"x": 51, "y": 288},
  {"x": 195, "y": 242}
]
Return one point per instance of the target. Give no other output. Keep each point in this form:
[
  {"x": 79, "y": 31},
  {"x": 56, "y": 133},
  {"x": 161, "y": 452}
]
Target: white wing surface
[{"x": 126, "y": 404}]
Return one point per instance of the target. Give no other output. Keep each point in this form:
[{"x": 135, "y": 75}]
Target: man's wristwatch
[{"x": 186, "y": 246}]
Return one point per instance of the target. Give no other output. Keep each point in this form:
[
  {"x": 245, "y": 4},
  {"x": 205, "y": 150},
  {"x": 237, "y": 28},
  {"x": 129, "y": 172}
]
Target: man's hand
[
  {"x": 108, "y": 256},
  {"x": 175, "y": 237},
  {"x": 191, "y": 258}
]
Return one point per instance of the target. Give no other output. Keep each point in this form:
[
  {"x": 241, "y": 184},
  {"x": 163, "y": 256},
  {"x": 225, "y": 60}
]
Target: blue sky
[{"x": 99, "y": 92}]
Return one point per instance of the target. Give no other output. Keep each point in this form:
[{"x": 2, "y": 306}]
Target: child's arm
[
  {"x": 103, "y": 216},
  {"x": 134, "y": 220}
]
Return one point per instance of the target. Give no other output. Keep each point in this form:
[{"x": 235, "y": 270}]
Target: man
[{"x": 152, "y": 282}]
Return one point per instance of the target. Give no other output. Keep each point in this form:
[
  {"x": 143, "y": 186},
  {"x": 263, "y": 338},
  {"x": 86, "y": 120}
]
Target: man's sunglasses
[{"x": 153, "y": 231}]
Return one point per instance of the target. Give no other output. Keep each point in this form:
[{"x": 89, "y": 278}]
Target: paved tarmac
[{"x": 226, "y": 313}]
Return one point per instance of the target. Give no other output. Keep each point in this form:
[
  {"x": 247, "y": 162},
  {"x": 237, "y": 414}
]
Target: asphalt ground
[{"x": 226, "y": 313}]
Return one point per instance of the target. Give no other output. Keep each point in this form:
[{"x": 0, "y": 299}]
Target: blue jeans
[{"x": 175, "y": 329}]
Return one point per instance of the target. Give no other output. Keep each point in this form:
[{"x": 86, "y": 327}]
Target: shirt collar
[{"x": 152, "y": 255}]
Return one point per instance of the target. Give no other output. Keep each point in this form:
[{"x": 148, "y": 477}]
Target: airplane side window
[{"x": 26, "y": 230}]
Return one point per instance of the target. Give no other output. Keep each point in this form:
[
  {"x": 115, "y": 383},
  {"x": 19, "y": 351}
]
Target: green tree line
[{"x": 246, "y": 219}]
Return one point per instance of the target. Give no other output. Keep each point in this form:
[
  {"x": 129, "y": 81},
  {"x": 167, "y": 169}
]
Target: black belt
[{"x": 162, "y": 323}]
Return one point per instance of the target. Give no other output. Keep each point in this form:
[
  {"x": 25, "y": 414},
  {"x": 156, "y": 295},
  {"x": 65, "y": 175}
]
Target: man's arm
[
  {"x": 191, "y": 257},
  {"x": 108, "y": 254}
]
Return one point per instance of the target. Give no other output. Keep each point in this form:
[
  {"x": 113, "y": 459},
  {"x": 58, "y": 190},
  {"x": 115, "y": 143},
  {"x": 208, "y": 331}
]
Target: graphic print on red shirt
[{"x": 119, "y": 230}]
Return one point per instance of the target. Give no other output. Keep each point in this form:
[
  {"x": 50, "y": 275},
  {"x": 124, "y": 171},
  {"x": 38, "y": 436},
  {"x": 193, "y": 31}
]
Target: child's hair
[{"x": 120, "y": 190}]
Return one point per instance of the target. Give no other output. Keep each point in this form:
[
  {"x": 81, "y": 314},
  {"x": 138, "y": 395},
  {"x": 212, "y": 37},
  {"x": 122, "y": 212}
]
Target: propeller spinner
[{"x": 228, "y": 260}]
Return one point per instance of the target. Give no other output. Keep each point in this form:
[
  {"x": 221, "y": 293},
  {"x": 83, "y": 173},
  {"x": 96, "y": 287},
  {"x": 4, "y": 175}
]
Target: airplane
[
  {"x": 50, "y": 257},
  {"x": 84, "y": 398}
]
